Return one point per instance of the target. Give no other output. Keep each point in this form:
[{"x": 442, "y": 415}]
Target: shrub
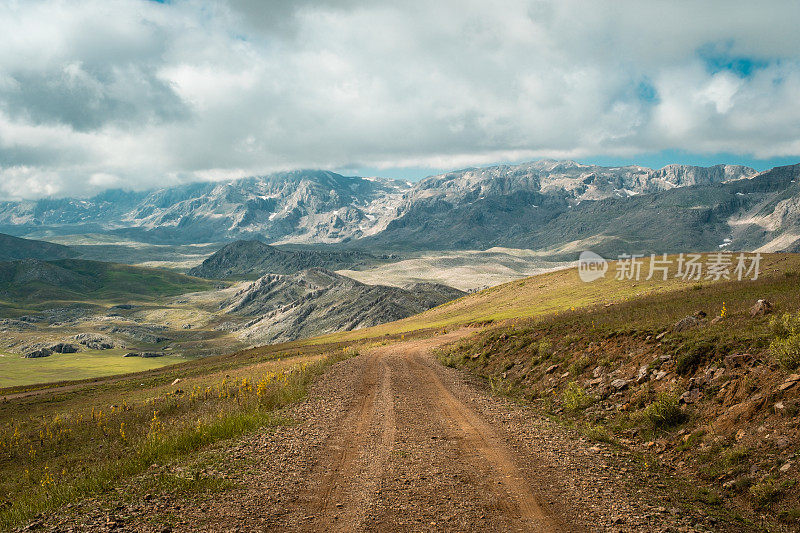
[
  {"x": 708, "y": 496},
  {"x": 785, "y": 347},
  {"x": 451, "y": 358},
  {"x": 786, "y": 351},
  {"x": 545, "y": 349},
  {"x": 642, "y": 396},
  {"x": 736, "y": 456},
  {"x": 598, "y": 433},
  {"x": 665, "y": 411},
  {"x": 575, "y": 398},
  {"x": 694, "y": 356},
  {"x": 579, "y": 366},
  {"x": 768, "y": 490},
  {"x": 786, "y": 325}
]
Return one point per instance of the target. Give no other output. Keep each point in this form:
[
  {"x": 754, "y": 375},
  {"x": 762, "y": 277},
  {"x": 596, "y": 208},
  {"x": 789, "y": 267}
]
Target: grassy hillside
[
  {"x": 12, "y": 248},
  {"x": 549, "y": 293},
  {"x": 82, "y": 438},
  {"x": 249, "y": 260},
  {"x": 717, "y": 402},
  {"x": 41, "y": 283}
]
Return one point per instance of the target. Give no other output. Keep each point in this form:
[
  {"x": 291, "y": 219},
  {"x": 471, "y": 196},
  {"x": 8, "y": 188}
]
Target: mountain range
[{"x": 558, "y": 206}]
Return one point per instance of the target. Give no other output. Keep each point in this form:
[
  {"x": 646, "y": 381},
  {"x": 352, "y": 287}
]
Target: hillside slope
[
  {"x": 701, "y": 379},
  {"x": 554, "y": 292},
  {"x": 35, "y": 282}
]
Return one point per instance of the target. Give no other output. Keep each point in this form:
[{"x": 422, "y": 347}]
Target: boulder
[
  {"x": 551, "y": 369},
  {"x": 789, "y": 382},
  {"x": 688, "y": 322},
  {"x": 761, "y": 308},
  {"x": 690, "y": 396},
  {"x": 737, "y": 359},
  {"x": 619, "y": 384}
]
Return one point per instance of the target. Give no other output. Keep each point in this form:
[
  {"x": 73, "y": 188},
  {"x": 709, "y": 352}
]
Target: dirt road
[
  {"x": 393, "y": 441},
  {"x": 407, "y": 424}
]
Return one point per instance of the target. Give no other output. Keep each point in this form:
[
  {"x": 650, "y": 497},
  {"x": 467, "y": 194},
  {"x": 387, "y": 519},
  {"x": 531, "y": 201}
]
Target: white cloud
[{"x": 104, "y": 93}]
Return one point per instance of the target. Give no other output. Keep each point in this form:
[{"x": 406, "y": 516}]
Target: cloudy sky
[{"x": 136, "y": 94}]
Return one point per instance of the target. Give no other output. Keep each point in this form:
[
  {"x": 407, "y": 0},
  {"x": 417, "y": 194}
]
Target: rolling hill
[
  {"x": 12, "y": 248},
  {"x": 35, "y": 282},
  {"x": 253, "y": 259}
]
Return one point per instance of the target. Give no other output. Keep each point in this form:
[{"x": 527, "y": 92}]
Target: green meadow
[{"x": 17, "y": 371}]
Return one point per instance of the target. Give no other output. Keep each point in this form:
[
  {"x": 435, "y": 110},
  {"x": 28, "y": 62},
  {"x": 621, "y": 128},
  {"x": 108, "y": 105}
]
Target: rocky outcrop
[
  {"x": 64, "y": 347},
  {"x": 147, "y": 333},
  {"x": 94, "y": 341},
  {"x": 317, "y": 301},
  {"x": 36, "y": 354},
  {"x": 688, "y": 322},
  {"x": 145, "y": 355},
  {"x": 43, "y": 349}
]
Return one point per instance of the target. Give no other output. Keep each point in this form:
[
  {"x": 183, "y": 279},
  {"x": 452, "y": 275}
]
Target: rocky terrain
[
  {"x": 253, "y": 259},
  {"x": 317, "y": 301}
]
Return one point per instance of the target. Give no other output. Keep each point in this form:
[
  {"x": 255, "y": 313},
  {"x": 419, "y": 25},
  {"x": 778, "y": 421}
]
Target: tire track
[
  {"x": 481, "y": 443},
  {"x": 356, "y": 454}
]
